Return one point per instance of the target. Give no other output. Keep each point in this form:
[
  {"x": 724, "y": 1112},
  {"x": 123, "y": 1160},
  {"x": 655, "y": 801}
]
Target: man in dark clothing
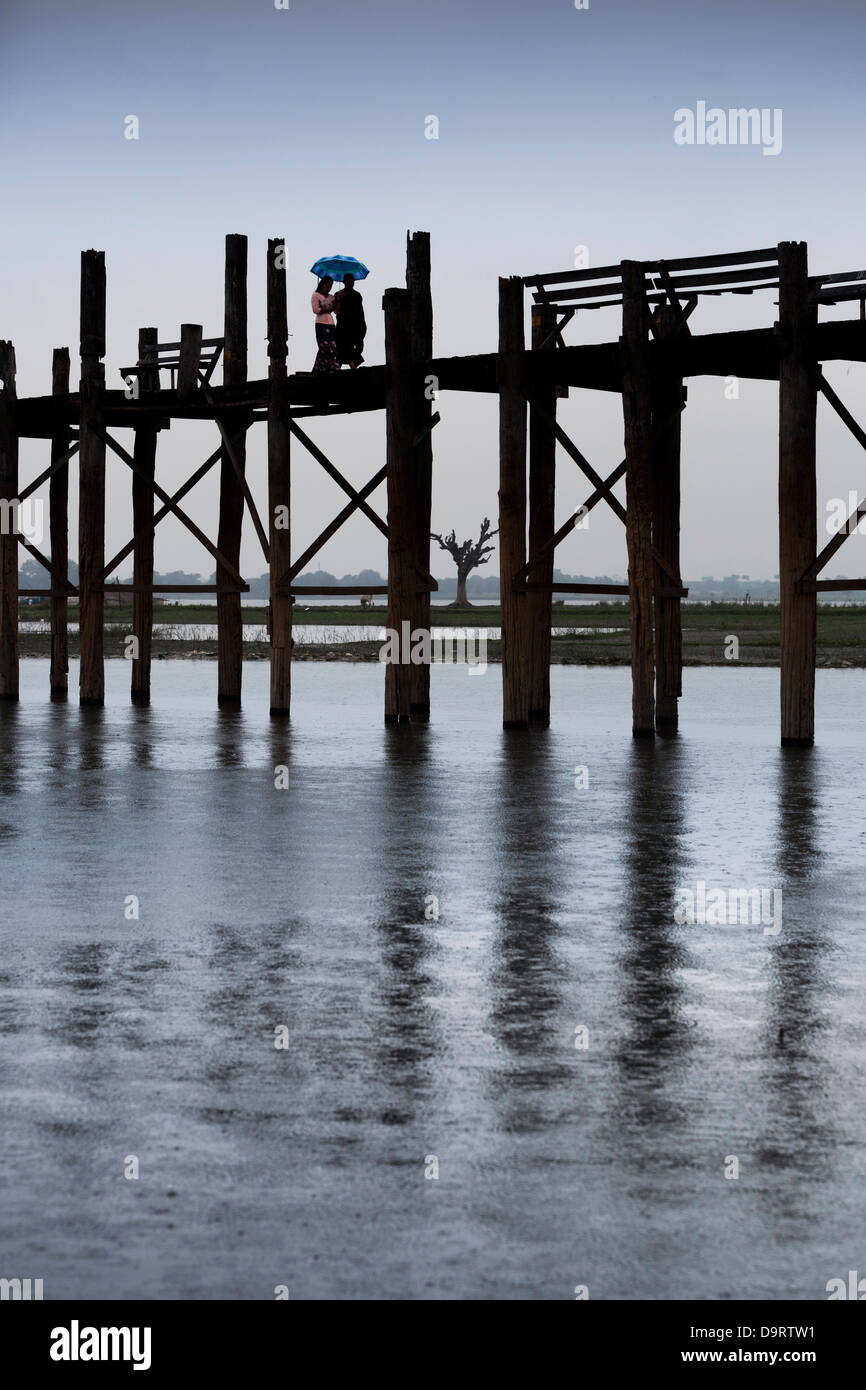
[{"x": 351, "y": 325}]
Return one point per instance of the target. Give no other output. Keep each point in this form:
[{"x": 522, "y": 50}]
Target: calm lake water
[{"x": 413, "y": 1038}]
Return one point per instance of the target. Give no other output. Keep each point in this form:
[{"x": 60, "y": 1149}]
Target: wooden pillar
[
  {"x": 279, "y": 478},
  {"x": 667, "y": 397},
  {"x": 798, "y": 382},
  {"x": 144, "y": 453},
  {"x": 399, "y": 432},
  {"x": 91, "y": 481},
  {"x": 230, "y": 644},
  {"x": 8, "y": 524},
  {"x": 637, "y": 417},
  {"x": 512, "y": 502},
  {"x": 421, "y": 331},
  {"x": 58, "y": 526},
  {"x": 188, "y": 359},
  {"x": 542, "y": 475}
]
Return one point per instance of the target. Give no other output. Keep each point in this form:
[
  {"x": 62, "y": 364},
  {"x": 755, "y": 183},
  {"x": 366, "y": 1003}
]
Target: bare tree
[{"x": 467, "y": 557}]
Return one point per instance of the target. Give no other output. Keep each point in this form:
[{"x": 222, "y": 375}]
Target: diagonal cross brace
[
  {"x": 169, "y": 502},
  {"x": 164, "y": 511}
]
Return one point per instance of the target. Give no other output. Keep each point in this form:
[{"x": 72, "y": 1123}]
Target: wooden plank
[
  {"x": 579, "y": 588},
  {"x": 798, "y": 394},
  {"x": 8, "y": 537},
  {"x": 231, "y": 510},
  {"x": 115, "y": 587},
  {"x": 637, "y": 416},
  {"x": 512, "y": 502},
  {"x": 421, "y": 352},
  {"x": 770, "y": 253},
  {"x": 300, "y": 589},
  {"x": 543, "y": 435},
  {"x": 91, "y": 480},
  {"x": 279, "y": 479},
  {"x": 143, "y": 524},
  {"x": 58, "y": 527},
  {"x": 400, "y": 424}
]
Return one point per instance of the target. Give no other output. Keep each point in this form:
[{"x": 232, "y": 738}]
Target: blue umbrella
[{"x": 338, "y": 267}]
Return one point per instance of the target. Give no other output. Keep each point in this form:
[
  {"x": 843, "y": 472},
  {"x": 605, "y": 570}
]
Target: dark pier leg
[
  {"x": 402, "y": 526},
  {"x": 542, "y": 476},
  {"x": 144, "y": 452},
  {"x": 91, "y": 474},
  {"x": 8, "y": 536},
  {"x": 58, "y": 525},
  {"x": 667, "y": 397},
  {"x": 421, "y": 330},
  {"x": 512, "y": 502},
  {"x": 798, "y": 381},
  {"x": 279, "y": 479},
  {"x": 229, "y": 616},
  {"x": 637, "y": 415}
]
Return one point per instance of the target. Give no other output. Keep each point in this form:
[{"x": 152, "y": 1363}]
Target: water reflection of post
[
  {"x": 658, "y": 1039},
  {"x": 799, "y": 1126},
  {"x": 529, "y": 893},
  {"x": 401, "y": 836}
]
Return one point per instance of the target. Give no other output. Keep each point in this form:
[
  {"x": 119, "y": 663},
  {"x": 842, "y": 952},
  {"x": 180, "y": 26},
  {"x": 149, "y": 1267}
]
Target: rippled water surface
[{"x": 410, "y": 1037}]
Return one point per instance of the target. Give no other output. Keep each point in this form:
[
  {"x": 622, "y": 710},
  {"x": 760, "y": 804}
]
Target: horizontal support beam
[
  {"x": 175, "y": 589},
  {"x": 297, "y": 591},
  {"x": 828, "y": 586}
]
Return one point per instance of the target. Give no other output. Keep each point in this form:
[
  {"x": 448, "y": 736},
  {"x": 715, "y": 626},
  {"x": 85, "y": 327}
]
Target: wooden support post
[
  {"x": 279, "y": 478},
  {"x": 58, "y": 526},
  {"x": 402, "y": 516},
  {"x": 542, "y": 524},
  {"x": 144, "y": 454},
  {"x": 798, "y": 393},
  {"x": 667, "y": 397},
  {"x": 91, "y": 480},
  {"x": 189, "y": 358},
  {"x": 8, "y": 525},
  {"x": 512, "y": 502},
  {"x": 637, "y": 417},
  {"x": 230, "y": 634},
  {"x": 421, "y": 329}
]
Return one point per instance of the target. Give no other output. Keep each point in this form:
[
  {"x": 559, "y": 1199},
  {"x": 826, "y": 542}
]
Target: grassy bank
[{"x": 706, "y": 633}]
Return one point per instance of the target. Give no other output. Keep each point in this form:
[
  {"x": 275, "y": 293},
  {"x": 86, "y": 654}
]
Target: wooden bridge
[{"x": 647, "y": 366}]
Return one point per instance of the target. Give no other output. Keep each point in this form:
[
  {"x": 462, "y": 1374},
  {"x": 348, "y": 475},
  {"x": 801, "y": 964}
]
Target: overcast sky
[{"x": 556, "y": 129}]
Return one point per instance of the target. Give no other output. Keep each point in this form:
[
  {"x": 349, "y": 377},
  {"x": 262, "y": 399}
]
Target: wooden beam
[
  {"x": 399, "y": 431},
  {"x": 543, "y": 434},
  {"x": 300, "y": 589},
  {"x": 229, "y": 616},
  {"x": 637, "y": 415},
  {"x": 8, "y": 521},
  {"x": 667, "y": 401},
  {"x": 421, "y": 351},
  {"x": 512, "y": 502},
  {"x": 58, "y": 525},
  {"x": 798, "y": 395},
  {"x": 143, "y": 523},
  {"x": 91, "y": 480},
  {"x": 188, "y": 362},
  {"x": 279, "y": 478}
]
